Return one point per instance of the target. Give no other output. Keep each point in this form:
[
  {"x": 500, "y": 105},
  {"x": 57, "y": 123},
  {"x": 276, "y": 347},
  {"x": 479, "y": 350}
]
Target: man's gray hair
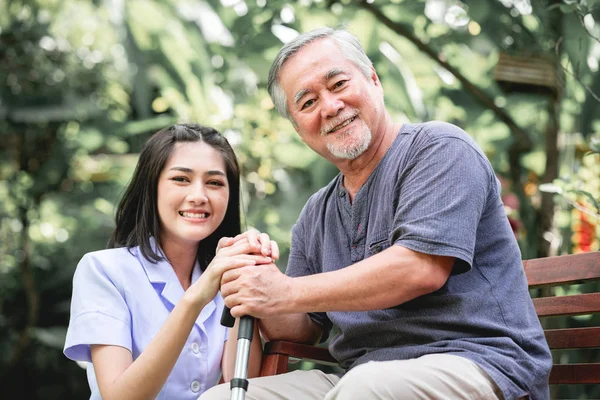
[{"x": 348, "y": 44}]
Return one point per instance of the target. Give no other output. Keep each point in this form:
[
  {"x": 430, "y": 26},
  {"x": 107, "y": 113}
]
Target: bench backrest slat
[
  {"x": 567, "y": 305},
  {"x": 573, "y": 338},
  {"x": 575, "y": 374},
  {"x": 562, "y": 269}
]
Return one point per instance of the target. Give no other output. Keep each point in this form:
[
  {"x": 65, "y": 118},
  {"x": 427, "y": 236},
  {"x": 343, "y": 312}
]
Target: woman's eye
[
  {"x": 216, "y": 183},
  {"x": 179, "y": 179}
]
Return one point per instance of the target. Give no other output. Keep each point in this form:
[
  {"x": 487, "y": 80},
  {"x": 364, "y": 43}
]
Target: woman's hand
[
  {"x": 236, "y": 255},
  {"x": 260, "y": 243}
]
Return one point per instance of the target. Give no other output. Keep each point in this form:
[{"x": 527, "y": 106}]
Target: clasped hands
[{"x": 257, "y": 288}]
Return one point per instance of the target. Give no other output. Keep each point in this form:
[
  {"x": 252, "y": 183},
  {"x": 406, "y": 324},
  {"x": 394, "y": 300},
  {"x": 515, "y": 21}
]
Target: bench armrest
[{"x": 277, "y": 354}]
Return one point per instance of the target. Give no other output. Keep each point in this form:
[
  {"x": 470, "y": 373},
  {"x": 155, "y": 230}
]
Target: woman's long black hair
[{"x": 137, "y": 219}]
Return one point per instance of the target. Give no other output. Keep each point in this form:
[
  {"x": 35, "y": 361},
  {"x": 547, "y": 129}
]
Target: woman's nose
[{"x": 197, "y": 194}]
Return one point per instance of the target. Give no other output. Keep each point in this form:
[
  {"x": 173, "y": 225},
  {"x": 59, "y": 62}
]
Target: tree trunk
[{"x": 546, "y": 211}]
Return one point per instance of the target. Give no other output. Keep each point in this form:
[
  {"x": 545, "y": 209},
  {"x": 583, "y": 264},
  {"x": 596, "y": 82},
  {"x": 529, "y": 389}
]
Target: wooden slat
[
  {"x": 575, "y": 373},
  {"x": 274, "y": 364},
  {"x": 567, "y": 305},
  {"x": 297, "y": 350},
  {"x": 573, "y": 338},
  {"x": 562, "y": 269}
]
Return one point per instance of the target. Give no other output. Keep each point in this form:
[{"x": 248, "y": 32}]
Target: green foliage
[{"x": 85, "y": 83}]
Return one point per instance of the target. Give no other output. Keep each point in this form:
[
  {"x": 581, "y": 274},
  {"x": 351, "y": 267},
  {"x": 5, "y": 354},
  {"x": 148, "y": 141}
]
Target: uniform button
[
  {"x": 195, "y": 386},
  {"x": 195, "y": 348}
]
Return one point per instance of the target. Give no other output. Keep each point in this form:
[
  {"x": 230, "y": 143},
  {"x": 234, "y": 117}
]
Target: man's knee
[
  {"x": 358, "y": 383},
  {"x": 219, "y": 392},
  {"x": 382, "y": 380},
  {"x": 433, "y": 376}
]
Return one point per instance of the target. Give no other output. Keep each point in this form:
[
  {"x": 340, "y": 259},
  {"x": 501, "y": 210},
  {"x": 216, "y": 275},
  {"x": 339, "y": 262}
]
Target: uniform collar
[{"x": 162, "y": 277}]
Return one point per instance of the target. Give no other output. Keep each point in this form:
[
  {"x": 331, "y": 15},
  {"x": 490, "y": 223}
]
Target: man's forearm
[
  {"x": 392, "y": 277},
  {"x": 298, "y": 328}
]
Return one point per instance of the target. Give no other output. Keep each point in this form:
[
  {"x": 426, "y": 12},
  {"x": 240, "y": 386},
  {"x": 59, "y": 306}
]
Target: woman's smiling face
[{"x": 193, "y": 193}]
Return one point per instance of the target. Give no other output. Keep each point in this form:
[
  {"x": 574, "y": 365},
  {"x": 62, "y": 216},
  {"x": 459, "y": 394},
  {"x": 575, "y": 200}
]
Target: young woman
[{"x": 146, "y": 312}]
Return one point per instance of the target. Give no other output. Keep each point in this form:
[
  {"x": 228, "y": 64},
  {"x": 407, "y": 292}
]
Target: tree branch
[{"x": 523, "y": 141}]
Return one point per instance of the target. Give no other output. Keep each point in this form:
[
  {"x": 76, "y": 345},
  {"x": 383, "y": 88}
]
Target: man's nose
[{"x": 331, "y": 105}]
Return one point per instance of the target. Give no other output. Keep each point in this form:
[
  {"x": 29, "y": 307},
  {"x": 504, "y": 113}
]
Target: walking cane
[{"x": 239, "y": 383}]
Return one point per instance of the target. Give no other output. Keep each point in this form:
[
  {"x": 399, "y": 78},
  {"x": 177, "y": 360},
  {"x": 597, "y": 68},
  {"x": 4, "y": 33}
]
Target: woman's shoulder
[
  {"x": 120, "y": 254},
  {"x": 109, "y": 261}
]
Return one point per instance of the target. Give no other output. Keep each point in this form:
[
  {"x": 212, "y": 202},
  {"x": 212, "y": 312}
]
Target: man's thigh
[
  {"x": 309, "y": 385},
  {"x": 435, "y": 376}
]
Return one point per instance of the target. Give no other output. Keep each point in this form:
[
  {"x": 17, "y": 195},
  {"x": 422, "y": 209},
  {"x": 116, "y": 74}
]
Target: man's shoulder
[
  {"x": 439, "y": 129},
  {"x": 434, "y": 134}
]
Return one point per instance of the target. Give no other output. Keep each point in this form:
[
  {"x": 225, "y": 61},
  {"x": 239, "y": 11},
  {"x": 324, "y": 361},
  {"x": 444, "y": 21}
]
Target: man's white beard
[{"x": 352, "y": 150}]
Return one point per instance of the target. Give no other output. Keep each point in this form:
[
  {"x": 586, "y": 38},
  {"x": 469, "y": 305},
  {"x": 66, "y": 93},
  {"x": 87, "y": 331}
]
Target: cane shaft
[{"x": 239, "y": 383}]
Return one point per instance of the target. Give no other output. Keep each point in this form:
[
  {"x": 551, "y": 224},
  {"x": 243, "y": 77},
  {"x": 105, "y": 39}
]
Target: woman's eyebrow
[
  {"x": 215, "y": 172},
  {"x": 189, "y": 170},
  {"x": 182, "y": 169}
]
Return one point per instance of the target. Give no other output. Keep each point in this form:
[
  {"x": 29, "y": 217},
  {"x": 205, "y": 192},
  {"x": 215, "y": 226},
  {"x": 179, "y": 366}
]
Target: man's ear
[{"x": 374, "y": 77}]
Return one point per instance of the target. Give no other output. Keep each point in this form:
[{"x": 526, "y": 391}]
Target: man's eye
[
  {"x": 307, "y": 104},
  {"x": 339, "y": 84}
]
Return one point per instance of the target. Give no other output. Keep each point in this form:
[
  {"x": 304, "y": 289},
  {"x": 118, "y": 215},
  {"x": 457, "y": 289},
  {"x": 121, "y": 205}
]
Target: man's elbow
[{"x": 436, "y": 273}]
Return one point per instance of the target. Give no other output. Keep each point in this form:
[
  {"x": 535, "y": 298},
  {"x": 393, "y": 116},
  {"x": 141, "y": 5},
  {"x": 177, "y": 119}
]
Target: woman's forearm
[{"x": 144, "y": 377}]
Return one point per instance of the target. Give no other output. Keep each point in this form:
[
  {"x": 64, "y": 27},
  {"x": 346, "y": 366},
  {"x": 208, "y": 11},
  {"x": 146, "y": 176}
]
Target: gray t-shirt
[{"x": 434, "y": 192}]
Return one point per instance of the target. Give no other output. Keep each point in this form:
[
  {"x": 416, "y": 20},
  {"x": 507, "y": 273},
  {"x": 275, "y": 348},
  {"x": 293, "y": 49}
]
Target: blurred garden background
[{"x": 83, "y": 84}]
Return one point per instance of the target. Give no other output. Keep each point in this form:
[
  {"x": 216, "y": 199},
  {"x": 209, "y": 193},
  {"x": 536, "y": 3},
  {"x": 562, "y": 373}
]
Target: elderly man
[{"x": 408, "y": 251}]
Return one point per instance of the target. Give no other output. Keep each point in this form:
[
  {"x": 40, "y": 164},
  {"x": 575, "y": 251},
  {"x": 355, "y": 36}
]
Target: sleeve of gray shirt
[{"x": 441, "y": 195}]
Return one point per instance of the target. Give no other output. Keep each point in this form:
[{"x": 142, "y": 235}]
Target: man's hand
[
  {"x": 258, "y": 290},
  {"x": 238, "y": 255}
]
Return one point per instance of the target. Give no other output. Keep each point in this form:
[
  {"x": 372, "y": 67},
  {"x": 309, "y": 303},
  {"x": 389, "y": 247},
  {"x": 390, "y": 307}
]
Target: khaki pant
[{"x": 434, "y": 376}]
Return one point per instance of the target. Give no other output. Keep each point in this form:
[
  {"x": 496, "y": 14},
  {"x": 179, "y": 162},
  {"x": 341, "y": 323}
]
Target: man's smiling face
[{"x": 335, "y": 108}]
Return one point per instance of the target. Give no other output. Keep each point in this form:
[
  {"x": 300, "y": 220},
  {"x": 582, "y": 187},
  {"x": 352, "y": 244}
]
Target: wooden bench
[{"x": 543, "y": 274}]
